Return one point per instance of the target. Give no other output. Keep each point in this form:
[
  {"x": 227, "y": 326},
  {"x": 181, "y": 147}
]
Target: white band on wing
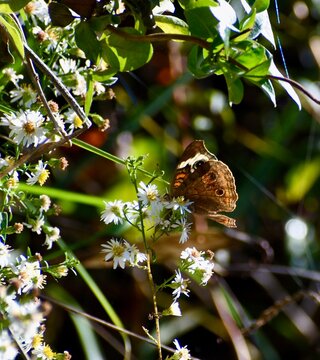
[{"x": 193, "y": 160}]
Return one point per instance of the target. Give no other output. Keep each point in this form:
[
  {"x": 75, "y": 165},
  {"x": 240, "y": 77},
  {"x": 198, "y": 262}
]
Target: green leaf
[
  {"x": 60, "y": 14},
  {"x": 246, "y": 25},
  {"x": 99, "y": 23},
  {"x": 89, "y": 94},
  {"x": 201, "y": 21},
  {"x": 261, "y": 70},
  {"x": 249, "y": 53},
  {"x": 235, "y": 88},
  {"x": 123, "y": 53},
  {"x": 10, "y": 6},
  {"x": 198, "y": 63},
  {"x": 87, "y": 41},
  {"x": 105, "y": 77},
  {"x": 267, "y": 87},
  {"x": 171, "y": 25},
  {"x": 261, "y": 5},
  {"x": 13, "y": 31}
]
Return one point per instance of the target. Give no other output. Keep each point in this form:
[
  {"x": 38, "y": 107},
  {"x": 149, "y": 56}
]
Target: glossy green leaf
[
  {"x": 261, "y": 5},
  {"x": 87, "y": 41},
  {"x": 171, "y": 25},
  {"x": 13, "y": 32},
  {"x": 249, "y": 54},
  {"x": 125, "y": 54},
  {"x": 261, "y": 70},
  {"x": 10, "y": 6},
  {"x": 199, "y": 64},
  {"x": 201, "y": 22},
  {"x": 189, "y": 4},
  {"x": 267, "y": 87},
  {"x": 235, "y": 88}
]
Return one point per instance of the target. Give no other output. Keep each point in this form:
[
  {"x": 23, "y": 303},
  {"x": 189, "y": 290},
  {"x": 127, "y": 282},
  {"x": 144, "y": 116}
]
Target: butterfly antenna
[{"x": 278, "y": 40}]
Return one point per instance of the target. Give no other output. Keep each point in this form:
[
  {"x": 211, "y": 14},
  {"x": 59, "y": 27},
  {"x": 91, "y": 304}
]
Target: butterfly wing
[{"x": 207, "y": 182}]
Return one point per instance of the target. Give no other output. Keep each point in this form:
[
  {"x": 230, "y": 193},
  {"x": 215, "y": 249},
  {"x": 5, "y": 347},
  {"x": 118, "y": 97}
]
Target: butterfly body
[{"x": 201, "y": 178}]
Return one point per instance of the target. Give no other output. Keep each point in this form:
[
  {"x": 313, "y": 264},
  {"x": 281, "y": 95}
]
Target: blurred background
[{"x": 274, "y": 154}]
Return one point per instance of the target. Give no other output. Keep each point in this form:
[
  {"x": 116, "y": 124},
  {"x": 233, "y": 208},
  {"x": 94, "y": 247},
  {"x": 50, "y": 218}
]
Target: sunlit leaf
[
  {"x": 261, "y": 5},
  {"x": 171, "y": 25},
  {"x": 12, "y": 29},
  {"x": 235, "y": 88},
  {"x": 10, "y": 6},
  {"x": 125, "y": 54}
]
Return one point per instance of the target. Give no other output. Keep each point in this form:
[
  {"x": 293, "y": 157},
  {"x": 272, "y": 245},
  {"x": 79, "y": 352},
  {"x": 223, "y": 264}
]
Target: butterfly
[{"x": 207, "y": 182}]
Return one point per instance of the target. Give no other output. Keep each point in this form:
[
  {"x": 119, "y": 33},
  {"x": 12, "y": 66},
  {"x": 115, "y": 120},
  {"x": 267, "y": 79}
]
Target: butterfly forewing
[{"x": 207, "y": 182}]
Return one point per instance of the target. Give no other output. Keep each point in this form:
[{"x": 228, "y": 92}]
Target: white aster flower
[
  {"x": 117, "y": 251},
  {"x": 135, "y": 255},
  {"x": 45, "y": 203},
  {"x": 197, "y": 264},
  {"x": 36, "y": 224},
  {"x": 29, "y": 274},
  {"x": 39, "y": 8},
  {"x": 180, "y": 285},
  {"x": 147, "y": 193},
  {"x": 8, "y": 348},
  {"x": 113, "y": 212},
  {"x": 5, "y": 256},
  {"x": 12, "y": 75},
  {"x": 180, "y": 204},
  {"x": 26, "y": 127},
  {"x": 68, "y": 66},
  {"x": 25, "y": 95},
  {"x": 182, "y": 353},
  {"x": 173, "y": 310},
  {"x": 191, "y": 254},
  {"x": 81, "y": 85},
  {"x": 98, "y": 88},
  {"x": 52, "y": 235},
  {"x": 3, "y": 163},
  {"x": 73, "y": 120},
  {"x": 43, "y": 352},
  {"x": 39, "y": 175},
  {"x": 185, "y": 230}
]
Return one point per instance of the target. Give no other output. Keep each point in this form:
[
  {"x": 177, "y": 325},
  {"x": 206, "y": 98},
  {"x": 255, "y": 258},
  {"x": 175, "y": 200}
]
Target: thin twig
[
  {"x": 35, "y": 79},
  {"x": 278, "y": 306},
  {"x": 160, "y": 37}
]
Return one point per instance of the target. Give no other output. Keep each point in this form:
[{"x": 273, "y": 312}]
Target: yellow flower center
[
  {"x": 118, "y": 250},
  {"x": 48, "y": 352},
  {"x": 29, "y": 127},
  {"x": 37, "y": 340},
  {"x": 77, "y": 122},
  {"x": 43, "y": 176}
]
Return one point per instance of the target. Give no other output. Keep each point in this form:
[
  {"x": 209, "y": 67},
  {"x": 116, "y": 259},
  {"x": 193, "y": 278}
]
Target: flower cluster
[
  {"x": 160, "y": 214},
  {"x": 22, "y": 315},
  {"x": 121, "y": 252}
]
